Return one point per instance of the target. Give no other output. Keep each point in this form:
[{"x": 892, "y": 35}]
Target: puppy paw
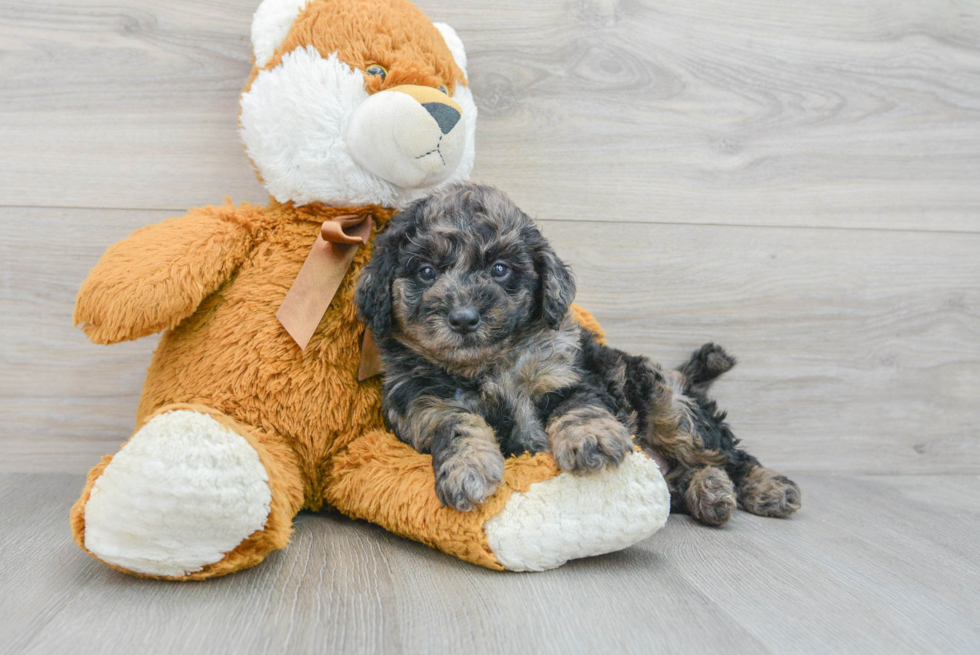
[
  {"x": 710, "y": 497},
  {"x": 767, "y": 493},
  {"x": 715, "y": 360},
  {"x": 705, "y": 365},
  {"x": 588, "y": 439},
  {"x": 470, "y": 471}
]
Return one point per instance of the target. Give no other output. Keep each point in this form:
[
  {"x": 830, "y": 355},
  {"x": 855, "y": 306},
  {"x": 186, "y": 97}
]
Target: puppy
[{"x": 469, "y": 306}]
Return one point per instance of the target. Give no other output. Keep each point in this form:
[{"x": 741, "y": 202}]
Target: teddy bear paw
[
  {"x": 183, "y": 492},
  {"x": 572, "y": 516}
]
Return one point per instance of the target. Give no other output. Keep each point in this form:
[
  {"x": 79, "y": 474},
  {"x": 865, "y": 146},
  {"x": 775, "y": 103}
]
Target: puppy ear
[
  {"x": 556, "y": 281},
  {"x": 373, "y": 294}
]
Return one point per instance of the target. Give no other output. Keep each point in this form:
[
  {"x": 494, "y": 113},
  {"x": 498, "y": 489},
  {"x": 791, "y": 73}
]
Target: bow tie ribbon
[{"x": 318, "y": 280}]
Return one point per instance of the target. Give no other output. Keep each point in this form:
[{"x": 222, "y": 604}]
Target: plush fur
[
  {"x": 271, "y": 24},
  {"x": 213, "y": 280},
  {"x": 307, "y": 89},
  {"x": 160, "y": 468},
  {"x": 469, "y": 305},
  {"x": 548, "y": 508}
]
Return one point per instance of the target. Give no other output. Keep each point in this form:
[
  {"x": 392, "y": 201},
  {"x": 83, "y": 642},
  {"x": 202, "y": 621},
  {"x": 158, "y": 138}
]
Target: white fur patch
[
  {"x": 183, "y": 492},
  {"x": 572, "y": 516},
  {"x": 454, "y": 43},
  {"x": 294, "y": 121},
  {"x": 270, "y": 25}
]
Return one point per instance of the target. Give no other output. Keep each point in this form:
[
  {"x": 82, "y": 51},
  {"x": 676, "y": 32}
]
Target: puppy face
[{"x": 461, "y": 275}]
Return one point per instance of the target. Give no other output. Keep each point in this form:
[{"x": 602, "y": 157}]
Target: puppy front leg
[
  {"x": 435, "y": 417},
  {"x": 467, "y": 461},
  {"x": 585, "y": 436}
]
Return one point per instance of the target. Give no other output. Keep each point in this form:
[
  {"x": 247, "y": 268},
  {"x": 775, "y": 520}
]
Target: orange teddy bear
[{"x": 253, "y": 407}]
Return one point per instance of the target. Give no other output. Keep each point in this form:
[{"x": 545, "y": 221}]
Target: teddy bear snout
[
  {"x": 411, "y": 136},
  {"x": 446, "y": 117}
]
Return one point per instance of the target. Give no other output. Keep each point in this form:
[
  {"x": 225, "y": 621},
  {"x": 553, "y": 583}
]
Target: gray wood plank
[
  {"x": 64, "y": 400},
  {"x": 124, "y": 104},
  {"x": 860, "y": 350},
  {"x": 870, "y": 565},
  {"x": 756, "y": 113},
  {"x": 763, "y": 112}
]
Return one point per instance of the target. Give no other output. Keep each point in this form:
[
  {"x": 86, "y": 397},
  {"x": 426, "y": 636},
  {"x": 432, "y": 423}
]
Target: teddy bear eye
[
  {"x": 442, "y": 87},
  {"x": 427, "y": 273},
  {"x": 377, "y": 70}
]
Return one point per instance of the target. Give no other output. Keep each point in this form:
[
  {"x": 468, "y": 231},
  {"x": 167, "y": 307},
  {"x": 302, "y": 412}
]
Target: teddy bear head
[{"x": 356, "y": 102}]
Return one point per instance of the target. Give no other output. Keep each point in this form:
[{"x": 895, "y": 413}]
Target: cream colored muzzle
[{"x": 411, "y": 136}]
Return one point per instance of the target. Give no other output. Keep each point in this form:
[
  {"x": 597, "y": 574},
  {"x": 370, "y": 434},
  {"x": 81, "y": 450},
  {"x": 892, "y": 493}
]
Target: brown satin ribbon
[
  {"x": 318, "y": 280},
  {"x": 370, "y": 358}
]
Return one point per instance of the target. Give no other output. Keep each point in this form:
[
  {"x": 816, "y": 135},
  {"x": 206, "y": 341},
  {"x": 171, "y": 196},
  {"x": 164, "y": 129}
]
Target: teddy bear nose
[
  {"x": 445, "y": 116},
  {"x": 464, "y": 320}
]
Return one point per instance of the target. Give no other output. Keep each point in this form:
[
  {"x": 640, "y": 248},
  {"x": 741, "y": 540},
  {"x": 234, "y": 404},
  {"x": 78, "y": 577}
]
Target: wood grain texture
[
  {"x": 754, "y": 113},
  {"x": 860, "y": 350},
  {"x": 123, "y": 104},
  {"x": 896, "y": 572},
  {"x": 762, "y": 112}
]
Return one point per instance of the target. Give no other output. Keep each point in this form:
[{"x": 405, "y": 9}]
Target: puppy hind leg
[
  {"x": 710, "y": 496},
  {"x": 672, "y": 429},
  {"x": 705, "y": 365},
  {"x": 692, "y": 434},
  {"x": 669, "y": 423},
  {"x": 765, "y": 492},
  {"x": 761, "y": 490}
]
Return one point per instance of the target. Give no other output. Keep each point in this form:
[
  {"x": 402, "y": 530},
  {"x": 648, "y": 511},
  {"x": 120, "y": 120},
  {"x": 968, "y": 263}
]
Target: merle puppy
[{"x": 469, "y": 306}]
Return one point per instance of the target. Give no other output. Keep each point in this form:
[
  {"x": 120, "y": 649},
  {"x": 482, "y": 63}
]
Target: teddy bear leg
[
  {"x": 538, "y": 519},
  {"x": 192, "y": 495}
]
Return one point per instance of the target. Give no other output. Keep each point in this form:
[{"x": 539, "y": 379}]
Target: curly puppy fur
[
  {"x": 469, "y": 305},
  {"x": 710, "y": 496}
]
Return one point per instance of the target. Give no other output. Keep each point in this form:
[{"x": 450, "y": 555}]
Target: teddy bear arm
[
  {"x": 538, "y": 518},
  {"x": 383, "y": 480},
  {"x": 159, "y": 275}
]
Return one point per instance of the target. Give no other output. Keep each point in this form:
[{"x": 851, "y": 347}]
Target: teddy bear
[{"x": 261, "y": 398}]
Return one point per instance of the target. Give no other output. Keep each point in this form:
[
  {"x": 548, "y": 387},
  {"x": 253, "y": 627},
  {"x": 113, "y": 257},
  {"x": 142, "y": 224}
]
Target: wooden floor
[
  {"x": 798, "y": 180},
  {"x": 874, "y": 564}
]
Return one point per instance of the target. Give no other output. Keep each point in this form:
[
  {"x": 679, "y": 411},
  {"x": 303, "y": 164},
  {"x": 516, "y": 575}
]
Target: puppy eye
[
  {"x": 499, "y": 270},
  {"x": 427, "y": 273},
  {"x": 377, "y": 70},
  {"x": 442, "y": 87}
]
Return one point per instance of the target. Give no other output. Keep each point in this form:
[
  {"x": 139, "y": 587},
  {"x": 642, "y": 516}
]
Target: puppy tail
[{"x": 705, "y": 365}]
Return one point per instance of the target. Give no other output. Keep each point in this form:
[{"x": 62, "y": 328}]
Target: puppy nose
[
  {"x": 464, "y": 319},
  {"x": 445, "y": 116}
]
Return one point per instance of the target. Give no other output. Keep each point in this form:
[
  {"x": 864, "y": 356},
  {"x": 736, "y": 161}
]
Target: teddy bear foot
[
  {"x": 181, "y": 494},
  {"x": 573, "y": 516}
]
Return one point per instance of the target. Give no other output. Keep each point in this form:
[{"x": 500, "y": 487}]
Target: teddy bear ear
[
  {"x": 455, "y": 45},
  {"x": 271, "y": 24}
]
